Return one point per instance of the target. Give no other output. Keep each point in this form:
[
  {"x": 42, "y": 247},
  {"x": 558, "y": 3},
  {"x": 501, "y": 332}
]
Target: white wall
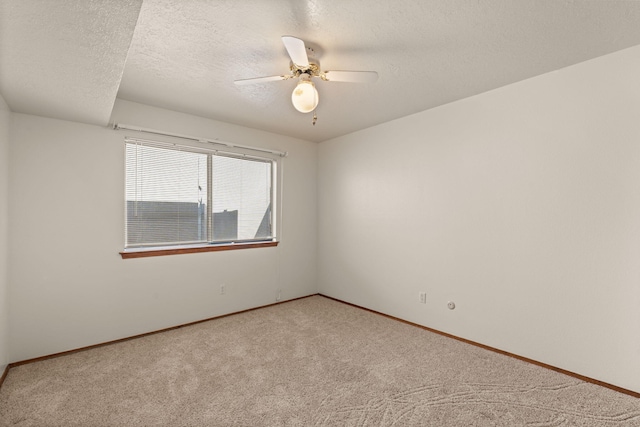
[
  {"x": 521, "y": 205},
  {"x": 5, "y": 118},
  {"x": 69, "y": 286}
]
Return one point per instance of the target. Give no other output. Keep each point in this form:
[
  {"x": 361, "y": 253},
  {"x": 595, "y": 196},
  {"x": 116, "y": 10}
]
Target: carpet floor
[{"x": 308, "y": 362}]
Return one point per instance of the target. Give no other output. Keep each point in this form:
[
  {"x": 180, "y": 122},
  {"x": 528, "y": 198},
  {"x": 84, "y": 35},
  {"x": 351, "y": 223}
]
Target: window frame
[{"x": 150, "y": 250}]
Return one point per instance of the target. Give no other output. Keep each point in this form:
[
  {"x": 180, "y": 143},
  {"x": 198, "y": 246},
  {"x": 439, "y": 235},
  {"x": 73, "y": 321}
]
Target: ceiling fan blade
[
  {"x": 296, "y": 50},
  {"x": 241, "y": 82},
  {"x": 351, "y": 76}
]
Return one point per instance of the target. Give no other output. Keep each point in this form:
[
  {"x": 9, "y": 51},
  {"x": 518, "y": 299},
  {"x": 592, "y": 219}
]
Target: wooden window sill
[{"x": 141, "y": 253}]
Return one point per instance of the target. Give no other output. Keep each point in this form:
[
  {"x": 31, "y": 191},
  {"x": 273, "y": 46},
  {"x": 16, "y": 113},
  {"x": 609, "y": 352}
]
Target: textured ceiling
[{"x": 65, "y": 58}]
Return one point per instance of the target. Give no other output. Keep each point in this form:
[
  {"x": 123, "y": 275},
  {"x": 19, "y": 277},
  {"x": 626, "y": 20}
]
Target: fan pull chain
[{"x": 315, "y": 119}]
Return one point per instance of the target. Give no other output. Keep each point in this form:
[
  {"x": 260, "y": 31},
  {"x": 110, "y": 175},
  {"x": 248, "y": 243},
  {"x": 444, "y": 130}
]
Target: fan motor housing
[{"x": 312, "y": 70}]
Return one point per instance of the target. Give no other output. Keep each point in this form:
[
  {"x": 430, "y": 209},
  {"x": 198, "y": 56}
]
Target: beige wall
[
  {"x": 521, "y": 205},
  {"x": 70, "y": 288},
  {"x": 5, "y": 118}
]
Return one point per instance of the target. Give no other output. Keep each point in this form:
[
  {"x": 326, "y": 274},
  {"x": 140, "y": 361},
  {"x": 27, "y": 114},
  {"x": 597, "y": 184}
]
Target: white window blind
[{"x": 182, "y": 195}]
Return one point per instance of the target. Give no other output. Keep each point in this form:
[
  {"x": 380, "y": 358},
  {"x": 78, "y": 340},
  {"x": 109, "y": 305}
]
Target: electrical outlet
[
  {"x": 423, "y": 297},
  {"x": 223, "y": 289},
  {"x": 278, "y": 294}
]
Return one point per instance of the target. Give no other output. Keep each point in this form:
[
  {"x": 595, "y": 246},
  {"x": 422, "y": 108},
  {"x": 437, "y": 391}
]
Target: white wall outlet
[
  {"x": 223, "y": 289},
  {"x": 278, "y": 294},
  {"x": 451, "y": 305},
  {"x": 423, "y": 297}
]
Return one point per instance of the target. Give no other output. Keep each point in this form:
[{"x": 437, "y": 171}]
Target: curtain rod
[
  {"x": 120, "y": 126},
  {"x": 237, "y": 155}
]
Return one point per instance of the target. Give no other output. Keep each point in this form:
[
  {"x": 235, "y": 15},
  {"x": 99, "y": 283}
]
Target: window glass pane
[
  {"x": 166, "y": 194},
  {"x": 190, "y": 195},
  {"x": 241, "y": 199}
]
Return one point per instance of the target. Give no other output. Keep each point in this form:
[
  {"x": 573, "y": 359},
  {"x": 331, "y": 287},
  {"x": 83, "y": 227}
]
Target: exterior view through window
[{"x": 190, "y": 196}]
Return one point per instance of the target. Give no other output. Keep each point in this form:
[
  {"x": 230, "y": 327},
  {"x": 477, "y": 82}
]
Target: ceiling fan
[{"x": 304, "y": 67}]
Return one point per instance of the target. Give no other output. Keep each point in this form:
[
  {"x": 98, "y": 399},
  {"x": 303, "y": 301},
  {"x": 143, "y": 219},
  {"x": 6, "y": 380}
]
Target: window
[{"x": 185, "y": 196}]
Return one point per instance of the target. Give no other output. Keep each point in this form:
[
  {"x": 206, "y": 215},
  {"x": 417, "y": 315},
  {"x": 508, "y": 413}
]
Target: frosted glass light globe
[{"x": 305, "y": 96}]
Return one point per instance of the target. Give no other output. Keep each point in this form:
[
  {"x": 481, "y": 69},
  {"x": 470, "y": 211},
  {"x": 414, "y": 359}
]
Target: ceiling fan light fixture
[
  {"x": 305, "y": 96},
  {"x": 303, "y": 67}
]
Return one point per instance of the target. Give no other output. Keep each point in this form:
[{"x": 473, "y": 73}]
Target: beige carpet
[{"x": 310, "y": 362}]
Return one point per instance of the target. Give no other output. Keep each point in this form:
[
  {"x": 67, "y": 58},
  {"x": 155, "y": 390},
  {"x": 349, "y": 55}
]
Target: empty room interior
[{"x": 468, "y": 169}]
